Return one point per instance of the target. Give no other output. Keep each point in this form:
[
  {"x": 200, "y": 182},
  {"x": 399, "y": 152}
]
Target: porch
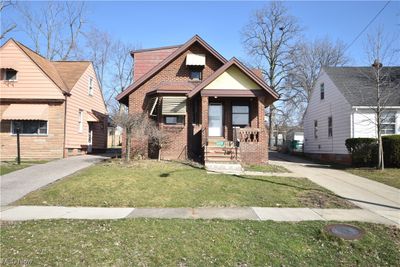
[{"x": 233, "y": 128}]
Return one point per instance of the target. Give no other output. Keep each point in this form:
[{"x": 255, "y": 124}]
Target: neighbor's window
[
  {"x": 240, "y": 114},
  {"x": 29, "y": 127},
  {"x": 173, "y": 120},
  {"x": 9, "y": 74},
  {"x": 80, "y": 120},
  {"x": 322, "y": 90},
  {"x": 330, "y": 127},
  {"x": 315, "y": 129},
  {"x": 388, "y": 125},
  {"x": 90, "y": 89}
]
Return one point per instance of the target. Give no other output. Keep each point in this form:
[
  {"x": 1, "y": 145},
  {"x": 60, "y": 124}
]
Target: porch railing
[{"x": 247, "y": 135}]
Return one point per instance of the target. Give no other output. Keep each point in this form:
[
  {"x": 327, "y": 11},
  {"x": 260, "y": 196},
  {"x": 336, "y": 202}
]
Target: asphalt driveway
[{"x": 17, "y": 184}]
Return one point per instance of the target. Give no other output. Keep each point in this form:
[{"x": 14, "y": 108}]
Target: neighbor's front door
[{"x": 215, "y": 112}]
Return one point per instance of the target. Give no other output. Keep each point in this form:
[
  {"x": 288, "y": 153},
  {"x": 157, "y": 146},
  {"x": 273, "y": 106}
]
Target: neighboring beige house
[{"x": 57, "y": 105}]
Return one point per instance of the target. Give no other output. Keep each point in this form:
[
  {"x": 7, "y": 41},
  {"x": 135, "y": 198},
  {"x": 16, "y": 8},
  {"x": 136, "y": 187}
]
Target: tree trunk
[
  {"x": 271, "y": 126},
  {"x": 381, "y": 164},
  {"x": 159, "y": 154}
]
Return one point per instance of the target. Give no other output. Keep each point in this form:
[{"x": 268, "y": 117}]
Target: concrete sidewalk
[
  {"x": 373, "y": 196},
  {"x": 22, "y": 213},
  {"x": 17, "y": 184}
]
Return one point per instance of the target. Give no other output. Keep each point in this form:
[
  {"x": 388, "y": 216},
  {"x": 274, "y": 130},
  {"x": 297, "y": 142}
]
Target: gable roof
[
  {"x": 71, "y": 71},
  {"x": 64, "y": 74},
  {"x": 244, "y": 69},
  {"x": 163, "y": 63},
  {"x": 358, "y": 87}
]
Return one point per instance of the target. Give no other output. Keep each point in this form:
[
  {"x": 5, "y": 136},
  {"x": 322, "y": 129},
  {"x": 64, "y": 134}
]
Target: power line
[{"x": 366, "y": 27}]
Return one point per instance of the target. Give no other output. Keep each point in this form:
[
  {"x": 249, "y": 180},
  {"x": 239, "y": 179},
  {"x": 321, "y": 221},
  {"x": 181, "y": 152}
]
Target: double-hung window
[
  {"x": 90, "y": 85},
  {"x": 240, "y": 114},
  {"x": 388, "y": 122},
  {"x": 322, "y": 90},
  {"x": 80, "y": 121},
  {"x": 315, "y": 129},
  {"x": 330, "y": 127}
]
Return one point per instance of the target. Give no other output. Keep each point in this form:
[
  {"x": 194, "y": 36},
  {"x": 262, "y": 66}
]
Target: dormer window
[
  {"x": 196, "y": 63},
  {"x": 8, "y": 74}
]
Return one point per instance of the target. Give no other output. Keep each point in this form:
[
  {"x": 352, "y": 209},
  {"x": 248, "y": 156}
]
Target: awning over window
[
  {"x": 91, "y": 117},
  {"x": 174, "y": 105},
  {"x": 195, "y": 60},
  {"x": 26, "y": 112}
]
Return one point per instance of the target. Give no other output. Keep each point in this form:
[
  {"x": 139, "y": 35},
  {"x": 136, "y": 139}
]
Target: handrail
[{"x": 249, "y": 135}]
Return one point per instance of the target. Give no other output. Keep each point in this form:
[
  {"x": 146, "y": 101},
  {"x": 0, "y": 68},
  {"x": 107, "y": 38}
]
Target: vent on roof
[{"x": 195, "y": 60}]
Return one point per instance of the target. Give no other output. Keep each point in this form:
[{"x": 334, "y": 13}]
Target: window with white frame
[
  {"x": 388, "y": 122},
  {"x": 241, "y": 114},
  {"x": 90, "y": 89},
  {"x": 29, "y": 127},
  {"x": 315, "y": 129},
  {"x": 80, "y": 120},
  {"x": 330, "y": 127}
]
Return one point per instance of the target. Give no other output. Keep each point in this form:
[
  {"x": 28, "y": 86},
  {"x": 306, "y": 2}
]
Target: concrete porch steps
[{"x": 224, "y": 167}]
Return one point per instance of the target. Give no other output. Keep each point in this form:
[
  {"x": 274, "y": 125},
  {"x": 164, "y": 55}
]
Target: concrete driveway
[
  {"x": 17, "y": 184},
  {"x": 367, "y": 194}
]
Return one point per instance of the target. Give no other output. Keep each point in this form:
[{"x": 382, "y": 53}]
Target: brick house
[
  {"x": 206, "y": 102},
  {"x": 57, "y": 106}
]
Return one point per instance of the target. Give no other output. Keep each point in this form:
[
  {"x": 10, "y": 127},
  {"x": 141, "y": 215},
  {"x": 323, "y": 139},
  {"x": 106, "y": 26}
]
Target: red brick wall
[
  {"x": 146, "y": 60},
  {"x": 176, "y": 71}
]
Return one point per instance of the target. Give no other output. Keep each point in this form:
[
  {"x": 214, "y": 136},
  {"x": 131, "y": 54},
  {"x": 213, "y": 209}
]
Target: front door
[{"x": 215, "y": 117}]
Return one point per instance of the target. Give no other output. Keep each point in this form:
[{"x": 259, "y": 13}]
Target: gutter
[{"x": 65, "y": 124}]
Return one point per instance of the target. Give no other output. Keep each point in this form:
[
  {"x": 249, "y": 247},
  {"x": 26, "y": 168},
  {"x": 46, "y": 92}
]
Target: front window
[
  {"x": 8, "y": 74},
  {"x": 240, "y": 114},
  {"x": 388, "y": 125},
  {"x": 172, "y": 120},
  {"x": 34, "y": 127}
]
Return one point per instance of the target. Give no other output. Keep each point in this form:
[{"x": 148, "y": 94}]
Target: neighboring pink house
[{"x": 58, "y": 106}]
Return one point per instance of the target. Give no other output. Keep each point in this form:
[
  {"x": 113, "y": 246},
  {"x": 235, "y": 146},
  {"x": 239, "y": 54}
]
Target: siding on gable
[
  {"x": 233, "y": 79},
  {"x": 80, "y": 100},
  {"x": 334, "y": 104},
  {"x": 31, "y": 82}
]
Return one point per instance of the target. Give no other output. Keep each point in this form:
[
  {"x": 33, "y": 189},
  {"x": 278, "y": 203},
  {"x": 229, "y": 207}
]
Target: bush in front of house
[
  {"x": 364, "y": 151},
  {"x": 391, "y": 150}
]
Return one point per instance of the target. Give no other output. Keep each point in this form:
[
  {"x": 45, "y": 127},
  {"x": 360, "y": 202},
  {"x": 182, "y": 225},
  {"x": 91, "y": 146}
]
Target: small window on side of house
[
  {"x": 173, "y": 120},
  {"x": 8, "y": 74},
  {"x": 315, "y": 129},
  {"x": 90, "y": 89},
  {"x": 322, "y": 90},
  {"x": 330, "y": 127}
]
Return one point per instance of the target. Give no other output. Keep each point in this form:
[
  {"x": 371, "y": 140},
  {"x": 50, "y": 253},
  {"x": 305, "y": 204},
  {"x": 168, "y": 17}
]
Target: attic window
[
  {"x": 8, "y": 74},
  {"x": 196, "y": 75},
  {"x": 322, "y": 90},
  {"x": 90, "y": 86}
]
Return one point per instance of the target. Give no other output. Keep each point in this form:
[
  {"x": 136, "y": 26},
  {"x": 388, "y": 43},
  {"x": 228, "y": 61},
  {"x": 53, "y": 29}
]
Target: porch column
[
  {"x": 261, "y": 113},
  {"x": 204, "y": 117}
]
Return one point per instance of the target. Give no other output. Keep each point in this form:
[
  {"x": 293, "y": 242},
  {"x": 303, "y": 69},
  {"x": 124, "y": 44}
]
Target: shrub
[
  {"x": 364, "y": 151},
  {"x": 391, "y": 150}
]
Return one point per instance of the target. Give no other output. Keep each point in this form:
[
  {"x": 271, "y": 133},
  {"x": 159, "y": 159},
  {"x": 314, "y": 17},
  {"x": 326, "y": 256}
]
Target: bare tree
[
  {"x": 379, "y": 50},
  {"x": 56, "y": 28},
  {"x": 6, "y": 27},
  {"x": 136, "y": 126},
  {"x": 269, "y": 38},
  {"x": 308, "y": 58},
  {"x": 121, "y": 63}
]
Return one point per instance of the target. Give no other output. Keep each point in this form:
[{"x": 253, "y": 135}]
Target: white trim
[{"x": 80, "y": 120}]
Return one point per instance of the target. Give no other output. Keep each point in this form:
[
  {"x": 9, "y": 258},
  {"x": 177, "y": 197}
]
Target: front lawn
[
  {"x": 265, "y": 168},
  {"x": 171, "y": 184},
  {"x": 153, "y": 242},
  {"x": 11, "y": 166},
  {"x": 388, "y": 176}
]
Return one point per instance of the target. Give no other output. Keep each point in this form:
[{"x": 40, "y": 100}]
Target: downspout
[{"x": 65, "y": 126}]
